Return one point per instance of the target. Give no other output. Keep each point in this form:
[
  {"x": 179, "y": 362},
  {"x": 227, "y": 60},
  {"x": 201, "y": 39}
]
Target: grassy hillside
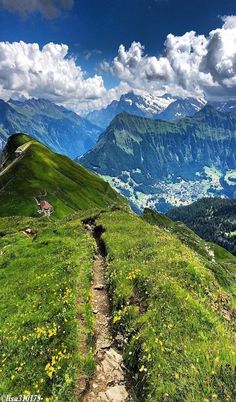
[
  {"x": 173, "y": 305},
  {"x": 219, "y": 260},
  {"x": 214, "y": 219},
  {"x": 173, "y": 294},
  {"x": 174, "y": 311},
  {"x": 68, "y": 186},
  {"x": 44, "y": 313}
]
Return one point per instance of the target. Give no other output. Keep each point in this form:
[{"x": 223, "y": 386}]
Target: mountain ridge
[
  {"x": 166, "y": 107},
  {"x": 62, "y": 130},
  {"x": 135, "y": 154},
  {"x": 39, "y": 172},
  {"x": 150, "y": 106}
]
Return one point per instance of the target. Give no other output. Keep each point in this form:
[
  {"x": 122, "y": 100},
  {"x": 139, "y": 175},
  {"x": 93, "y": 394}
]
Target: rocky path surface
[{"x": 108, "y": 383}]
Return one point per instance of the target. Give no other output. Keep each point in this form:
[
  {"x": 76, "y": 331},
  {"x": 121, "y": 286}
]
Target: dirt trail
[
  {"x": 108, "y": 383},
  {"x": 17, "y": 159}
]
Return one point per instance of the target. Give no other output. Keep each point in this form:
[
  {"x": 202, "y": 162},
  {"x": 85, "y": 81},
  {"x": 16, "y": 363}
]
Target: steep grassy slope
[
  {"x": 222, "y": 263},
  {"x": 173, "y": 311},
  {"x": 214, "y": 219},
  {"x": 60, "y": 129},
  {"x": 173, "y": 305},
  {"x": 68, "y": 186},
  {"x": 45, "y": 317},
  {"x": 173, "y": 295}
]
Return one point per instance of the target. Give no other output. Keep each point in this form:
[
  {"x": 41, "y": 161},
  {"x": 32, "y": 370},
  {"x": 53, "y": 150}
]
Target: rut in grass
[{"x": 109, "y": 381}]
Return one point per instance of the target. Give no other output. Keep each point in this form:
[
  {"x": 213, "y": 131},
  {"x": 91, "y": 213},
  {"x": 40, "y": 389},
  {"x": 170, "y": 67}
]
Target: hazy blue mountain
[
  {"x": 228, "y": 106},
  {"x": 161, "y": 164},
  {"x": 62, "y": 130},
  {"x": 181, "y": 108}
]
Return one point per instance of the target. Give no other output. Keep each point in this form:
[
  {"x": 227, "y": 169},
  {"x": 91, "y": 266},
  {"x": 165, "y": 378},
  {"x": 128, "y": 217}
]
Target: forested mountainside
[
  {"x": 161, "y": 164},
  {"x": 214, "y": 219}
]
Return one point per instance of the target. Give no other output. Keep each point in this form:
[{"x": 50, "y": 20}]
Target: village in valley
[{"x": 169, "y": 193}]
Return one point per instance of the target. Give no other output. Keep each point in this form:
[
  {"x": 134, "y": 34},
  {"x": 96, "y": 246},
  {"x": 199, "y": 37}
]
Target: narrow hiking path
[
  {"x": 17, "y": 159},
  {"x": 109, "y": 381}
]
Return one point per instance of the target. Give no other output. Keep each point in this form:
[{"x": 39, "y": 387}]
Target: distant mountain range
[
  {"x": 181, "y": 108},
  {"x": 68, "y": 133},
  {"x": 144, "y": 106},
  {"x": 228, "y": 106},
  {"x": 166, "y": 107},
  {"x": 62, "y": 130},
  {"x": 213, "y": 219},
  {"x": 161, "y": 164}
]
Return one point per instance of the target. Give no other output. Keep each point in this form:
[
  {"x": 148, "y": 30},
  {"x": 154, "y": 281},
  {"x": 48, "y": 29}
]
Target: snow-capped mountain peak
[
  {"x": 164, "y": 107},
  {"x": 144, "y": 105}
]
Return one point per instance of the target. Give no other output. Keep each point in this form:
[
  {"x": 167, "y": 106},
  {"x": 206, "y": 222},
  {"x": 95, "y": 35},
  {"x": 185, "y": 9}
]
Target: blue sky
[
  {"x": 103, "y": 25},
  {"x": 93, "y": 30}
]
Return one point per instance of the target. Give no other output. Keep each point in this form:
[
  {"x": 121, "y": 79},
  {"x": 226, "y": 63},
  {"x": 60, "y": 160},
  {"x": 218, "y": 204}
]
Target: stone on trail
[
  {"x": 114, "y": 356},
  {"x": 100, "y": 286},
  {"x": 117, "y": 393}
]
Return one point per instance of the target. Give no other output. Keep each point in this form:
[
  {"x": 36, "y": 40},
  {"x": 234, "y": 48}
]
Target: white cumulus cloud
[
  {"x": 190, "y": 64},
  {"x": 26, "y": 70},
  {"x": 220, "y": 58}
]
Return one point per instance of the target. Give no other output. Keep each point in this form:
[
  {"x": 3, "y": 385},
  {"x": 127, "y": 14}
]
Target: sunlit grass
[
  {"x": 175, "y": 316},
  {"x": 41, "y": 282}
]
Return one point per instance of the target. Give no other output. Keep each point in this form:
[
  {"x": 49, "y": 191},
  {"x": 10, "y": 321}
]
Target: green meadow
[
  {"x": 174, "y": 310},
  {"x": 172, "y": 294},
  {"x": 45, "y": 313}
]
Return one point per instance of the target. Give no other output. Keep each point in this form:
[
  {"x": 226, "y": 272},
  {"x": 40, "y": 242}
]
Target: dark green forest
[{"x": 213, "y": 219}]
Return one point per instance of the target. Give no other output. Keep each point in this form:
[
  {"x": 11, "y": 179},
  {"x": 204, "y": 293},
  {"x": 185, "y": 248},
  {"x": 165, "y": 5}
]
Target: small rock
[
  {"x": 117, "y": 393},
  {"x": 118, "y": 375},
  {"x": 95, "y": 311},
  {"x": 28, "y": 231},
  {"x": 113, "y": 355},
  {"x": 99, "y": 287},
  {"x": 107, "y": 366},
  {"x": 106, "y": 345},
  {"x": 102, "y": 378}
]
